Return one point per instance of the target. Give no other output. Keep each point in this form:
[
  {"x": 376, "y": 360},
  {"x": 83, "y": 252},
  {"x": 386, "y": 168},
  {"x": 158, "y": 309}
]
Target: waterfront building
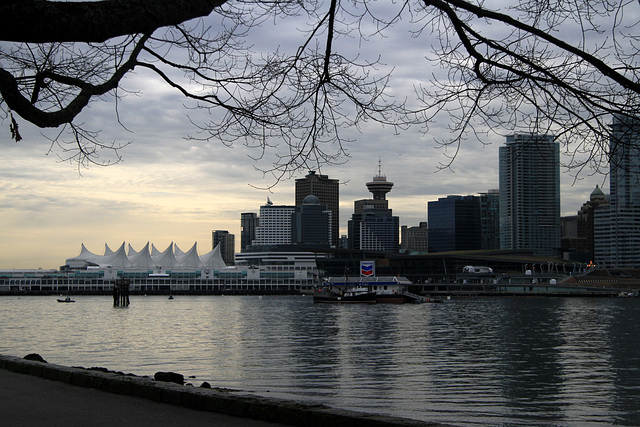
[
  {"x": 148, "y": 258},
  {"x": 227, "y": 242},
  {"x": 414, "y": 239},
  {"x": 327, "y": 191},
  {"x": 617, "y": 226},
  {"x": 454, "y": 223},
  {"x": 170, "y": 271},
  {"x": 274, "y": 226},
  {"x": 248, "y": 223},
  {"x": 529, "y": 173},
  {"x": 490, "y": 220},
  {"x": 372, "y": 226},
  {"x": 311, "y": 223}
]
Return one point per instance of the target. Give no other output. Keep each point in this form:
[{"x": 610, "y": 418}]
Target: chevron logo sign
[{"x": 367, "y": 269}]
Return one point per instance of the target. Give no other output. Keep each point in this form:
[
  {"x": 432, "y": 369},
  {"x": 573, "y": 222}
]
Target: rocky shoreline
[{"x": 170, "y": 388}]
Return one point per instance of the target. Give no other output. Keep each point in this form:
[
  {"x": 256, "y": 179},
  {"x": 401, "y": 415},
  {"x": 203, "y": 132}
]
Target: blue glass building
[{"x": 454, "y": 224}]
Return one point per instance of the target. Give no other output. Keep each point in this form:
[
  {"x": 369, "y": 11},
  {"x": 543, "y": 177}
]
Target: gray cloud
[{"x": 169, "y": 188}]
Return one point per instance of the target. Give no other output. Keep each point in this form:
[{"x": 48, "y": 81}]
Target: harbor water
[{"x": 483, "y": 361}]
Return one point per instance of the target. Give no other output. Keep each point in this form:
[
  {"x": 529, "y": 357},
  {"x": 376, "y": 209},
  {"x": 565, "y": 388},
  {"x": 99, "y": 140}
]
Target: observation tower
[{"x": 379, "y": 187}]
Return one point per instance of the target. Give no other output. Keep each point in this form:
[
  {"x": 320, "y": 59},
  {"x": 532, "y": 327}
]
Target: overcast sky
[{"x": 169, "y": 189}]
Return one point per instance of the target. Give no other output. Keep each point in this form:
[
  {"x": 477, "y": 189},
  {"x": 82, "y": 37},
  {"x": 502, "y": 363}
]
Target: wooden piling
[{"x": 121, "y": 293}]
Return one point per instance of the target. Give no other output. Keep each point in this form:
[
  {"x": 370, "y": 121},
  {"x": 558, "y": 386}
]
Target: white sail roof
[
  {"x": 131, "y": 252},
  {"x": 178, "y": 252},
  {"x": 107, "y": 250},
  {"x": 166, "y": 259},
  {"x": 191, "y": 259},
  {"x": 213, "y": 259},
  {"x": 154, "y": 250},
  {"x": 118, "y": 259},
  {"x": 148, "y": 258},
  {"x": 142, "y": 258}
]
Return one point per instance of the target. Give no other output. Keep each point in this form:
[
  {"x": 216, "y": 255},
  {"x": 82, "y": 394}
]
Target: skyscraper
[
  {"x": 490, "y": 219},
  {"x": 227, "y": 242},
  {"x": 327, "y": 191},
  {"x": 379, "y": 187},
  {"x": 248, "y": 224},
  {"x": 454, "y": 223},
  {"x": 530, "y": 194},
  {"x": 372, "y": 225},
  {"x": 617, "y": 227},
  {"x": 311, "y": 223},
  {"x": 274, "y": 228},
  {"x": 374, "y": 230},
  {"x": 586, "y": 223}
]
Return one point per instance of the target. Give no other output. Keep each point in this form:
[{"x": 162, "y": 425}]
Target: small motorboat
[
  {"x": 170, "y": 296},
  {"x": 67, "y": 299}
]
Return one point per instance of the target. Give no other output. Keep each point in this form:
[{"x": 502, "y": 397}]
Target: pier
[{"x": 516, "y": 289}]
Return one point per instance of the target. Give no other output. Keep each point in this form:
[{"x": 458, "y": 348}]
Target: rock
[
  {"x": 205, "y": 385},
  {"x": 35, "y": 356},
  {"x": 169, "y": 377}
]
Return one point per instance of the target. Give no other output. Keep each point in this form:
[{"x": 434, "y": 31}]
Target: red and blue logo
[{"x": 367, "y": 268}]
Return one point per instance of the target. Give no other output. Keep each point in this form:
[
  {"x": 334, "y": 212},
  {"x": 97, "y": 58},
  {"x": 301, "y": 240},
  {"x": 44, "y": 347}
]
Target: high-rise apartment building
[
  {"x": 248, "y": 223},
  {"x": 454, "y": 223},
  {"x": 530, "y": 194},
  {"x": 327, "y": 191},
  {"x": 274, "y": 226},
  {"x": 617, "y": 227},
  {"x": 227, "y": 242}
]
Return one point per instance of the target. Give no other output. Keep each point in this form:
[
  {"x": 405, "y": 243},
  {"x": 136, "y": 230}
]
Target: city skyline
[
  {"x": 103, "y": 205},
  {"x": 171, "y": 189}
]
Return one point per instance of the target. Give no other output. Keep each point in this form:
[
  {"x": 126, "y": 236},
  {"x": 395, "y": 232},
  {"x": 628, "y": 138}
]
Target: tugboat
[
  {"x": 344, "y": 294},
  {"x": 381, "y": 289}
]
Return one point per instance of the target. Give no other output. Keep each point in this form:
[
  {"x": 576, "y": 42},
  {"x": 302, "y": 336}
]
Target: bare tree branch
[
  {"x": 36, "y": 21},
  {"x": 535, "y": 66}
]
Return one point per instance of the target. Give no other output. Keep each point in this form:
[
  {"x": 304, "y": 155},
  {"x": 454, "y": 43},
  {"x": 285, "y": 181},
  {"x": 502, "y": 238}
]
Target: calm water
[{"x": 535, "y": 361}]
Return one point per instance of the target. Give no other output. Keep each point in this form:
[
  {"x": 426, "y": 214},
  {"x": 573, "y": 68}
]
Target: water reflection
[{"x": 479, "y": 360}]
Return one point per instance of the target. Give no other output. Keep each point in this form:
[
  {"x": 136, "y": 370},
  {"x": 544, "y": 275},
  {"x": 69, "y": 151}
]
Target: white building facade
[{"x": 274, "y": 226}]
